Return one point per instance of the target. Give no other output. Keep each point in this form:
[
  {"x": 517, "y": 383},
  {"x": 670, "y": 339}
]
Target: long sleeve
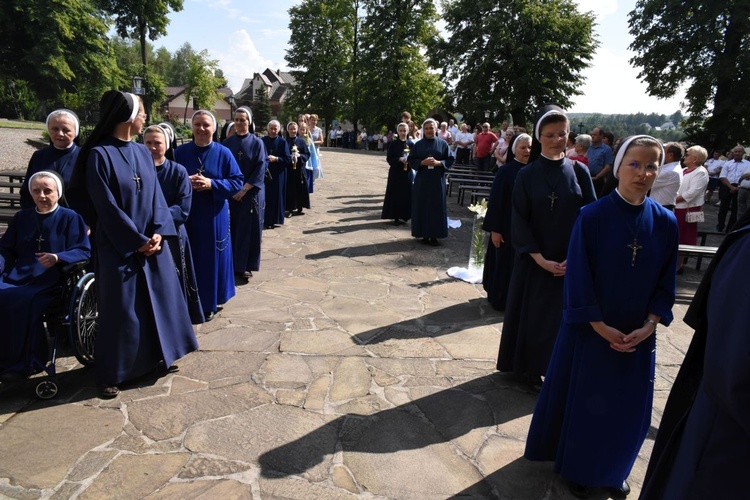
[
  {"x": 124, "y": 235},
  {"x": 395, "y": 152},
  {"x": 255, "y": 175},
  {"x": 523, "y": 236},
  {"x": 663, "y": 298},
  {"x": 580, "y": 303},
  {"x": 77, "y": 245},
  {"x": 180, "y": 210},
  {"x": 230, "y": 181}
]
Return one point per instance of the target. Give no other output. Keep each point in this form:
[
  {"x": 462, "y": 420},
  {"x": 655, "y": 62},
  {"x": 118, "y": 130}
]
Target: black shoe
[
  {"x": 288, "y": 215},
  {"x": 108, "y": 392},
  {"x": 209, "y": 316},
  {"x": 426, "y": 241},
  {"x": 299, "y": 212},
  {"x": 622, "y": 491},
  {"x": 247, "y": 274},
  {"x": 579, "y": 490},
  {"x": 434, "y": 242}
]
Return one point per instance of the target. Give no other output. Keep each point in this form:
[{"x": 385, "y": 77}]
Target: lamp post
[
  {"x": 486, "y": 114},
  {"x": 232, "y": 103},
  {"x": 138, "y": 86},
  {"x": 580, "y": 127}
]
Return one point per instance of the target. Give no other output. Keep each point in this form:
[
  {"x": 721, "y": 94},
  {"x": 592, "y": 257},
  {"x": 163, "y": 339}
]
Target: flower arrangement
[{"x": 478, "y": 237}]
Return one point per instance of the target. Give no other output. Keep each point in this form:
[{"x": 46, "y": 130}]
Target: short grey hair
[{"x": 583, "y": 140}]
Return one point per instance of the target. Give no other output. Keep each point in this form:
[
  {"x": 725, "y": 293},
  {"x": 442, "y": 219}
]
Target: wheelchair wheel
[
  {"x": 83, "y": 318},
  {"x": 46, "y": 389}
]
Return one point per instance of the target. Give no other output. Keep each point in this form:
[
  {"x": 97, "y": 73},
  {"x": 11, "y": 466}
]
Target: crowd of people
[
  {"x": 147, "y": 210},
  {"x": 582, "y": 258}
]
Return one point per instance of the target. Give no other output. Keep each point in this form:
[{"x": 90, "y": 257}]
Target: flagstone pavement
[{"x": 350, "y": 366}]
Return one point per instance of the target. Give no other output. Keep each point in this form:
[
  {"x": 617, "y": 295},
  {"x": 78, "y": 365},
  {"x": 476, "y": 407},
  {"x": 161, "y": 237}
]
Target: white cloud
[
  {"x": 601, "y": 8},
  {"x": 612, "y": 86},
  {"x": 241, "y": 59}
]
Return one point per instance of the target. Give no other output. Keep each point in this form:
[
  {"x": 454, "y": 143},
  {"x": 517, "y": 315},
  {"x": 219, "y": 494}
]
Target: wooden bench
[
  {"x": 468, "y": 179},
  {"x": 478, "y": 193},
  {"x": 6, "y": 214},
  {"x": 472, "y": 185},
  {"x": 12, "y": 200},
  {"x": 698, "y": 251}
]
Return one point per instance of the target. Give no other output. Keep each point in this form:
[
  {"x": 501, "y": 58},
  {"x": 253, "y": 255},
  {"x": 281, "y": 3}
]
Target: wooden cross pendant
[
  {"x": 239, "y": 156},
  {"x": 552, "y": 199},
  {"x": 137, "y": 181},
  {"x": 634, "y": 247},
  {"x": 39, "y": 241}
]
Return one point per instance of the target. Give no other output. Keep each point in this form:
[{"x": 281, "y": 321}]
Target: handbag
[{"x": 693, "y": 217}]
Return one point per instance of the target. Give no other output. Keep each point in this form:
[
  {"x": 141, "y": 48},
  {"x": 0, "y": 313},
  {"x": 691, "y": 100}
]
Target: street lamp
[
  {"x": 580, "y": 127},
  {"x": 232, "y": 103},
  {"x": 486, "y": 114},
  {"x": 138, "y": 86}
]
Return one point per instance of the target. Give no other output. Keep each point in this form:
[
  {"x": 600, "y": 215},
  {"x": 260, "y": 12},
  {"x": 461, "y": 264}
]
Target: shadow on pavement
[
  {"x": 341, "y": 229},
  {"x": 438, "y": 418},
  {"x": 473, "y": 313}
]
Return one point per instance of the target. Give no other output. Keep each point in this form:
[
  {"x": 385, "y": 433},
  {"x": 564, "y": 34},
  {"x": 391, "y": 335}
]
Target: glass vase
[{"x": 478, "y": 245}]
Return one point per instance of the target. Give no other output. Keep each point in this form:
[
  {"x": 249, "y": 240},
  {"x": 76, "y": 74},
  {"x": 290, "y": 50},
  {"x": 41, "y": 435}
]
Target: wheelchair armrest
[{"x": 73, "y": 267}]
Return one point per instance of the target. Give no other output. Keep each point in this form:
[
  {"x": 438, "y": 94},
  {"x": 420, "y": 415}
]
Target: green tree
[
  {"x": 142, "y": 20},
  {"x": 704, "y": 46},
  {"x": 513, "y": 56},
  {"x": 201, "y": 82},
  {"x": 261, "y": 107},
  {"x": 396, "y": 75},
  {"x": 320, "y": 67},
  {"x": 180, "y": 65},
  {"x": 56, "y": 46}
]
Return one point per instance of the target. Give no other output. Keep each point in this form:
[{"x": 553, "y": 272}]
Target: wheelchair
[{"x": 74, "y": 315}]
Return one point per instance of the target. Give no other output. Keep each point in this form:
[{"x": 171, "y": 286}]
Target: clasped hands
[
  {"x": 152, "y": 246},
  {"x": 431, "y": 162},
  {"x": 620, "y": 341},
  {"x": 199, "y": 182},
  {"x": 557, "y": 269}
]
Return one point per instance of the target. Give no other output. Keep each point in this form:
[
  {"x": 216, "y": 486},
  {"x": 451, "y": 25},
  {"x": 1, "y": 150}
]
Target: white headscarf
[
  {"x": 49, "y": 174},
  {"x": 624, "y": 148},
  {"x": 63, "y": 112},
  {"x": 133, "y": 100},
  {"x": 204, "y": 112}
]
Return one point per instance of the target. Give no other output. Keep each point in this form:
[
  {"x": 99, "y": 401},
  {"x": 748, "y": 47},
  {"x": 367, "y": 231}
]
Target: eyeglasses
[{"x": 650, "y": 168}]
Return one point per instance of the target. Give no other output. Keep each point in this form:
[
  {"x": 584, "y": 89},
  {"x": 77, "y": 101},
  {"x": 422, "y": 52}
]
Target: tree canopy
[
  {"x": 55, "y": 47},
  {"x": 362, "y": 59},
  {"x": 704, "y": 46},
  {"x": 511, "y": 57}
]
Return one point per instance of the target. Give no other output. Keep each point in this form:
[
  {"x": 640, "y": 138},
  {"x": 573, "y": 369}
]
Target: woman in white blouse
[{"x": 690, "y": 197}]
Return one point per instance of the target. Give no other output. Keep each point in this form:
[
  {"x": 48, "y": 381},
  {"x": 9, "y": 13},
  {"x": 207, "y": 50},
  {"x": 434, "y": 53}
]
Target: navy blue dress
[
  {"x": 276, "y": 185},
  {"x": 27, "y": 287},
  {"x": 397, "y": 202},
  {"x": 534, "y": 307},
  {"x": 246, "y": 216},
  {"x": 178, "y": 193},
  {"x": 208, "y": 224},
  {"x": 143, "y": 318},
  {"x": 594, "y": 410},
  {"x": 61, "y": 161},
  {"x": 429, "y": 212},
  {"x": 498, "y": 262},
  {"x": 297, "y": 190}
]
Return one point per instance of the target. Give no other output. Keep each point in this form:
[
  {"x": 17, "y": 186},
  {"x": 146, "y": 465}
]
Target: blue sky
[{"x": 247, "y": 36}]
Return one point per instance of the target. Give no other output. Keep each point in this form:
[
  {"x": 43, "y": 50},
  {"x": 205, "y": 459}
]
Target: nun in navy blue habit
[
  {"x": 175, "y": 186},
  {"x": 397, "y": 201},
  {"x": 60, "y": 156},
  {"x": 297, "y": 194},
  {"x": 215, "y": 178},
  {"x": 38, "y": 240},
  {"x": 279, "y": 159},
  {"x": 247, "y": 206},
  {"x": 431, "y": 158},
  {"x": 547, "y": 195},
  {"x": 143, "y": 318},
  {"x": 500, "y": 255},
  {"x": 594, "y": 409},
  {"x": 702, "y": 449}
]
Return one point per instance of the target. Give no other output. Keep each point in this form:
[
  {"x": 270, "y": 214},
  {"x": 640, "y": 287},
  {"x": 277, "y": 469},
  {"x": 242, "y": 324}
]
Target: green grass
[{"x": 24, "y": 125}]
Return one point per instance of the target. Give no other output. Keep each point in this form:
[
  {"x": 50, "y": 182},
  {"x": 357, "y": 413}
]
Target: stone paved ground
[{"x": 350, "y": 366}]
